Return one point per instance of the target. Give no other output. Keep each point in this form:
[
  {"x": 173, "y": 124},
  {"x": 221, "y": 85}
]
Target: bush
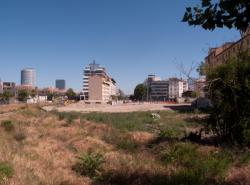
[
  {"x": 170, "y": 133},
  {"x": 244, "y": 158},
  {"x": 19, "y": 136},
  {"x": 127, "y": 144},
  {"x": 7, "y": 125},
  {"x": 206, "y": 169},
  {"x": 69, "y": 116},
  {"x": 229, "y": 91},
  {"x": 22, "y": 95},
  {"x": 6, "y": 171},
  {"x": 180, "y": 153},
  {"x": 121, "y": 140},
  {"x": 89, "y": 164}
]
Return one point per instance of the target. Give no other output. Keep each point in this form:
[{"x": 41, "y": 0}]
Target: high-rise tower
[{"x": 28, "y": 77}]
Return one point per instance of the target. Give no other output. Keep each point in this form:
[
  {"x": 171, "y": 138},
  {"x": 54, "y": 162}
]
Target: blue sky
[{"x": 131, "y": 38}]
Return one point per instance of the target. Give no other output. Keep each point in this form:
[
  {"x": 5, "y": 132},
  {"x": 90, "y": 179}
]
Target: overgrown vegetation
[
  {"x": 7, "y": 125},
  {"x": 229, "y": 91},
  {"x": 206, "y": 168},
  {"x": 6, "y": 171},
  {"x": 110, "y": 154},
  {"x": 89, "y": 164}
]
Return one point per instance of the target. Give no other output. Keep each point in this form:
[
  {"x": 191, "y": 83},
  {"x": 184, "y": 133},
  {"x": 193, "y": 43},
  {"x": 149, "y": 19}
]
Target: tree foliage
[
  {"x": 201, "y": 69},
  {"x": 219, "y": 13},
  {"x": 229, "y": 91},
  {"x": 33, "y": 93},
  {"x": 23, "y": 95},
  {"x": 71, "y": 94},
  {"x": 140, "y": 92},
  {"x": 6, "y": 96}
]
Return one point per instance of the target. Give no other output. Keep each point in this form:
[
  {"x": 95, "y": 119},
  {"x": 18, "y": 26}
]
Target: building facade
[
  {"x": 90, "y": 70},
  {"x": 177, "y": 87},
  {"x": 157, "y": 89},
  {"x": 9, "y": 87},
  {"x": 1, "y": 87},
  {"x": 163, "y": 90},
  {"x": 97, "y": 84},
  {"x": 61, "y": 84},
  {"x": 99, "y": 88},
  {"x": 220, "y": 55},
  {"x": 28, "y": 77}
]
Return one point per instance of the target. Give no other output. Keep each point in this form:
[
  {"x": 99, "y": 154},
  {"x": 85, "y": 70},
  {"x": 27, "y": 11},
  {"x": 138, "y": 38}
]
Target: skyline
[{"x": 131, "y": 39}]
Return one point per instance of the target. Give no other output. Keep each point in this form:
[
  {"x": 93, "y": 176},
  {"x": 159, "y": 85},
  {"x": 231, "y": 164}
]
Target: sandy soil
[{"x": 130, "y": 107}]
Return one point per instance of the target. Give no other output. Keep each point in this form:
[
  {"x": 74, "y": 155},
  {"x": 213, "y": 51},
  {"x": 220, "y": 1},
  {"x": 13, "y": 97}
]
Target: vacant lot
[
  {"x": 130, "y": 107},
  {"x": 132, "y": 148}
]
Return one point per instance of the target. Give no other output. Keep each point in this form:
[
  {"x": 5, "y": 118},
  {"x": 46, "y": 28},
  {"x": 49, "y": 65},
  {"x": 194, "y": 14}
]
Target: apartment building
[
  {"x": 177, "y": 87},
  {"x": 220, "y": 55},
  {"x": 90, "y": 70},
  {"x": 114, "y": 91},
  {"x": 99, "y": 88},
  {"x": 97, "y": 84}
]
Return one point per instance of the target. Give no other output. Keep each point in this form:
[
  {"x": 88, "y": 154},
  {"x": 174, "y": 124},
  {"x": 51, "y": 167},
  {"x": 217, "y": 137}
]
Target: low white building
[{"x": 37, "y": 99}]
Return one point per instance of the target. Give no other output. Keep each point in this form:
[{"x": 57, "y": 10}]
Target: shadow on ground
[
  {"x": 146, "y": 178},
  {"x": 180, "y": 108}
]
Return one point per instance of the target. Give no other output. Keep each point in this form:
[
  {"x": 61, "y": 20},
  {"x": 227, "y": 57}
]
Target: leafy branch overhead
[{"x": 219, "y": 13}]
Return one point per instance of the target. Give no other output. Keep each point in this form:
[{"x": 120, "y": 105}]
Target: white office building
[{"x": 177, "y": 87}]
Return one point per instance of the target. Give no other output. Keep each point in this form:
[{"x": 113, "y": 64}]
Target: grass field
[{"x": 137, "y": 148}]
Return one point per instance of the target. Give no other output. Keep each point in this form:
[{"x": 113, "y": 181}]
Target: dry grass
[{"x": 49, "y": 150}]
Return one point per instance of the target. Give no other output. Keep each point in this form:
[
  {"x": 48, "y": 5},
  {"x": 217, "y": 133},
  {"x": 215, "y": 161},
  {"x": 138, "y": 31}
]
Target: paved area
[{"x": 130, "y": 107}]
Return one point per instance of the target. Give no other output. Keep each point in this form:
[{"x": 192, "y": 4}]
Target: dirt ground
[{"x": 129, "y": 107}]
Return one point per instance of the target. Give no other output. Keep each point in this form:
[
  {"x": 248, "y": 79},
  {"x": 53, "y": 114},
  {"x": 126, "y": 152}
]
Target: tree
[
  {"x": 50, "y": 96},
  {"x": 23, "y": 95},
  {"x": 71, "y": 94},
  {"x": 201, "y": 69},
  {"x": 6, "y": 95},
  {"x": 140, "y": 92},
  {"x": 33, "y": 93},
  {"x": 228, "y": 84},
  {"x": 219, "y": 13}
]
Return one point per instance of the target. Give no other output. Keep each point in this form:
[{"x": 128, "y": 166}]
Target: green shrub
[
  {"x": 7, "y": 125},
  {"x": 61, "y": 116},
  {"x": 69, "y": 116},
  {"x": 89, "y": 164},
  {"x": 127, "y": 144},
  {"x": 184, "y": 154},
  {"x": 19, "y": 136},
  {"x": 121, "y": 140},
  {"x": 229, "y": 92},
  {"x": 205, "y": 168},
  {"x": 170, "y": 132},
  {"x": 6, "y": 171},
  {"x": 244, "y": 159}
]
